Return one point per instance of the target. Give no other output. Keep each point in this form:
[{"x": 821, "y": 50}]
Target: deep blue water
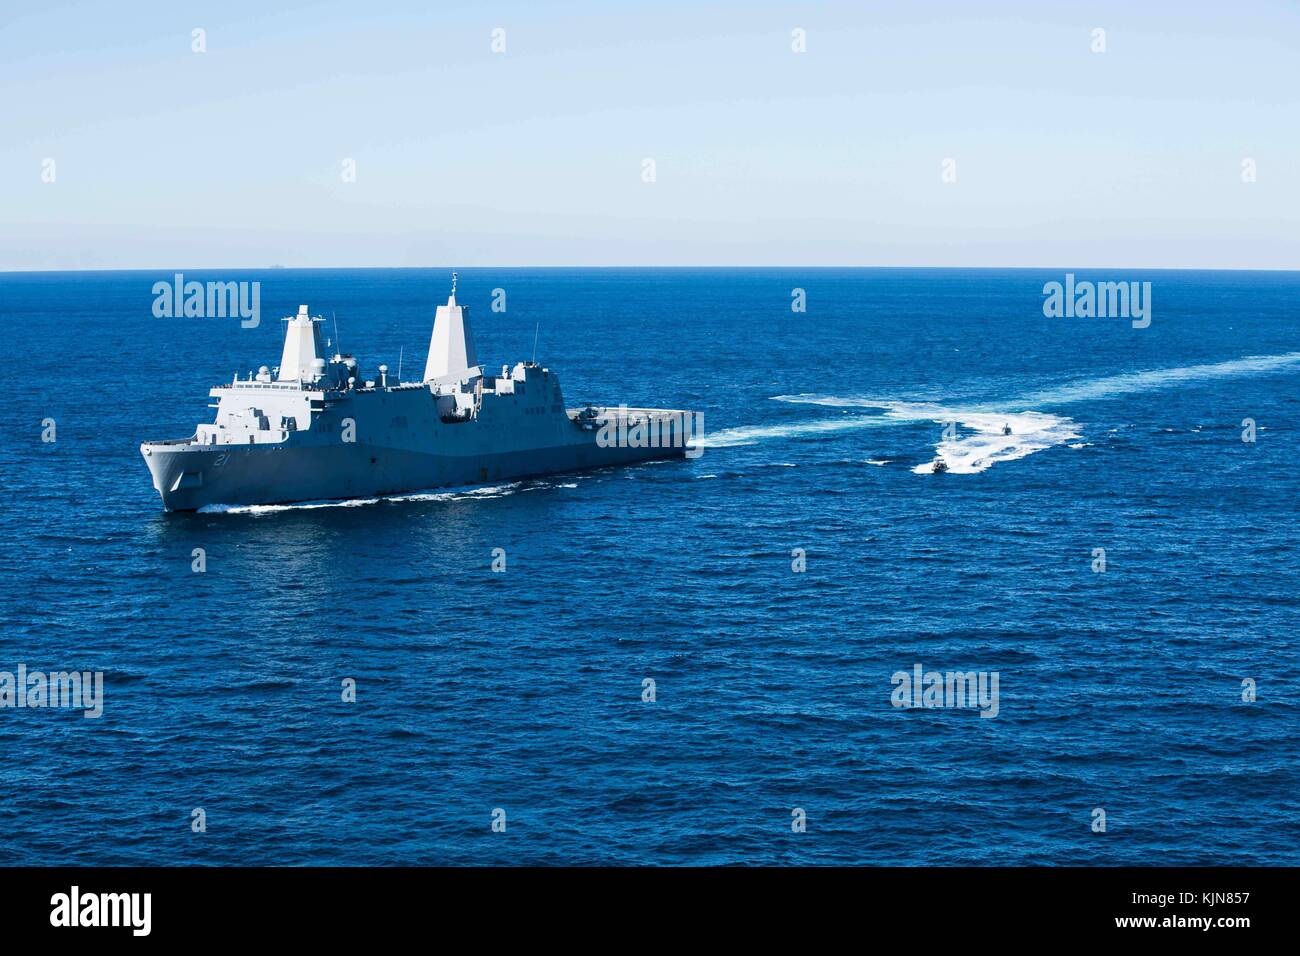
[{"x": 522, "y": 690}]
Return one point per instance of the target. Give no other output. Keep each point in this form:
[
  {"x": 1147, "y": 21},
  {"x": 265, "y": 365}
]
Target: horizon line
[{"x": 983, "y": 268}]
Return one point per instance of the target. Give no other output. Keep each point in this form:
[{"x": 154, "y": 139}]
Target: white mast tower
[{"x": 451, "y": 347}]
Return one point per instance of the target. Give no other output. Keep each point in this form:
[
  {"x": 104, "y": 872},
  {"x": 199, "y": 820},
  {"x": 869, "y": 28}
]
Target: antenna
[
  {"x": 399, "y": 363},
  {"x": 453, "y": 285},
  {"x": 337, "y": 345},
  {"x": 535, "y": 331}
]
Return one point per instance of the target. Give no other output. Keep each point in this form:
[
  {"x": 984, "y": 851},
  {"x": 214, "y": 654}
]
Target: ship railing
[
  {"x": 272, "y": 386},
  {"x": 174, "y": 441}
]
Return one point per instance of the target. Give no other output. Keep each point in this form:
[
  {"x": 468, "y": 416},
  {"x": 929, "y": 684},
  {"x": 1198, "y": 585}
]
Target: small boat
[{"x": 939, "y": 466}]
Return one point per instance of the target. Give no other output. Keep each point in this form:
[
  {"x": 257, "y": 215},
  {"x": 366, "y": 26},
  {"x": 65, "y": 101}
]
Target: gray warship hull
[{"x": 190, "y": 476}]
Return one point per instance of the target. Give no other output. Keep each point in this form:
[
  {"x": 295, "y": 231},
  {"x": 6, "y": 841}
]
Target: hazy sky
[{"x": 167, "y": 158}]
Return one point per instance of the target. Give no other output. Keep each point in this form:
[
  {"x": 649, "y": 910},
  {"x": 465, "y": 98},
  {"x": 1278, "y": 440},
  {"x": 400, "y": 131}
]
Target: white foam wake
[
  {"x": 1031, "y": 431},
  {"x": 751, "y": 434},
  {"x": 964, "y": 454},
  {"x": 970, "y": 453},
  {"x": 830, "y": 401},
  {"x": 1112, "y": 386},
  {"x": 454, "y": 494}
]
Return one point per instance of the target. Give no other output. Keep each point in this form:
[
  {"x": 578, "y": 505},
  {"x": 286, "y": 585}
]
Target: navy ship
[{"x": 314, "y": 429}]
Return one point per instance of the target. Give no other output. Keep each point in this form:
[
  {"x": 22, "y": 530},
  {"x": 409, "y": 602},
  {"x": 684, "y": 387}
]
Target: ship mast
[
  {"x": 302, "y": 347},
  {"x": 451, "y": 346}
]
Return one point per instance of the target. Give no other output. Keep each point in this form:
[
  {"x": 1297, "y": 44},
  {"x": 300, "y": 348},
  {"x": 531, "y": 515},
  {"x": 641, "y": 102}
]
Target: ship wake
[
  {"x": 466, "y": 493},
  {"x": 981, "y": 439},
  {"x": 979, "y": 442},
  {"x": 753, "y": 434}
]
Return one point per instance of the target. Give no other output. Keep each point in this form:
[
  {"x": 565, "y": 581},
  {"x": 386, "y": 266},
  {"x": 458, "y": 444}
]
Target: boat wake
[
  {"x": 963, "y": 453},
  {"x": 1030, "y": 431},
  {"x": 990, "y": 444},
  {"x": 752, "y": 434},
  {"x": 981, "y": 439},
  {"x": 1088, "y": 390},
  {"x": 1115, "y": 386}
]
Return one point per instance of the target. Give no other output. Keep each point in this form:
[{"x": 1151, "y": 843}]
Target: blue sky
[{"x": 1064, "y": 157}]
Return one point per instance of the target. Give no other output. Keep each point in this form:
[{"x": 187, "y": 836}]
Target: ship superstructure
[{"x": 314, "y": 428}]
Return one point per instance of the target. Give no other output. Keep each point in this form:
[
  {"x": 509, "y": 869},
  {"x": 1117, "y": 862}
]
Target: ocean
[{"x": 773, "y": 735}]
